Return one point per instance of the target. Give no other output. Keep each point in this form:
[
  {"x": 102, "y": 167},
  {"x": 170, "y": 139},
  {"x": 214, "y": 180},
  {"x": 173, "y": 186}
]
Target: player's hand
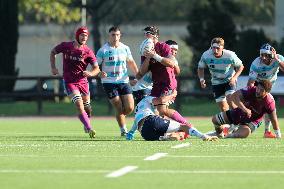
[
  {"x": 54, "y": 71},
  {"x": 87, "y": 74},
  {"x": 130, "y": 135},
  {"x": 202, "y": 84},
  {"x": 209, "y": 138},
  {"x": 248, "y": 112},
  {"x": 133, "y": 82},
  {"x": 149, "y": 54},
  {"x": 102, "y": 74}
]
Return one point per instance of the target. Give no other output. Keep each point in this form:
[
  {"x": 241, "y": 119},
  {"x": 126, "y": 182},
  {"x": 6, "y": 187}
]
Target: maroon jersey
[
  {"x": 257, "y": 107},
  {"x": 164, "y": 79},
  {"x": 75, "y": 61}
]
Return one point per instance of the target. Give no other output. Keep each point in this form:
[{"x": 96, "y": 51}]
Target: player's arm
[
  {"x": 237, "y": 98},
  {"x": 144, "y": 68},
  {"x": 236, "y": 75},
  {"x": 132, "y": 66},
  {"x": 275, "y": 123},
  {"x": 200, "y": 72},
  {"x": 250, "y": 82},
  {"x": 95, "y": 70},
  {"x": 166, "y": 61},
  {"x": 176, "y": 67},
  {"x": 52, "y": 57}
]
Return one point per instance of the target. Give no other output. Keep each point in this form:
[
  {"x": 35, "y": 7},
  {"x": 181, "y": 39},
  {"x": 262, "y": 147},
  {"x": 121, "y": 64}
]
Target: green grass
[
  {"x": 50, "y": 153},
  {"x": 189, "y": 107}
]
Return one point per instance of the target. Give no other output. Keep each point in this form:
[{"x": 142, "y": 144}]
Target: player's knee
[{"x": 128, "y": 110}]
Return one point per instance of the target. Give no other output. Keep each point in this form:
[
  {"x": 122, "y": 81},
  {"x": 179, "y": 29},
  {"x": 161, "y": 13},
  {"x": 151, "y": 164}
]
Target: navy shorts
[
  {"x": 154, "y": 126},
  {"x": 116, "y": 89},
  {"x": 221, "y": 89}
]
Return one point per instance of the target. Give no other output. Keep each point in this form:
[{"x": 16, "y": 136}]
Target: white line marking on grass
[
  {"x": 181, "y": 145},
  {"x": 85, "y": 171},
  {"x": 155, "y": 156},
  {"x": 210, "y": 172},
  {"x": 121, "y": 171},
  {"x": 53, "y": 171},
  {"x": 173, "y": 156},
  {"x": 64, "y": 156}
]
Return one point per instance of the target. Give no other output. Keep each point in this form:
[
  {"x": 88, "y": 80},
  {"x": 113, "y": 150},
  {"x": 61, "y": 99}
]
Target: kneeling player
[{"x": 252, "y": 103}]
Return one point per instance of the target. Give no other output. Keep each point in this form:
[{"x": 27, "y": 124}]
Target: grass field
[{"x": 51, "y": 153}]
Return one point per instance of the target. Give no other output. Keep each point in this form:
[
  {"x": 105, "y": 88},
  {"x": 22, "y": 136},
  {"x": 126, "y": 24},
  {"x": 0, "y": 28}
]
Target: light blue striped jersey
[
  {"x": 221, "y": 69},
  {"x": 114, "y": 62},
  {"x": 143, "y": 109},
  {"x": 144, "y": 83},
  {"x": 260, "y": 71}
]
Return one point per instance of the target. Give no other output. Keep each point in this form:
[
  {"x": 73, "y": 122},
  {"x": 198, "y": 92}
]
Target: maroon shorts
[{"x": 81, "y": 87}]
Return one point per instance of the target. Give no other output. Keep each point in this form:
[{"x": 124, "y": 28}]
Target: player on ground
[
  {"x": 222, "y": 64},
  {"x": 252, "y": 103},
  {"x": 154, "y": 127},
  {"x": 114, "y": 57},
  {"x": 266, "y": 66},
  {"x": 76, "y": 57},
  {"x": 161, "y": 63}
]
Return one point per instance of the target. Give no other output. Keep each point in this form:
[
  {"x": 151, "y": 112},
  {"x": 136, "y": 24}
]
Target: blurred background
[{"x": 31, "y": 28}]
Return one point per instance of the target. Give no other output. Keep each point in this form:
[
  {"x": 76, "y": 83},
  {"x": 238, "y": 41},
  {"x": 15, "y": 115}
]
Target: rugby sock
[
  {"x": 177, "y": 117},
  {"x": 194, "y": 132},
  {"x": 85, "y": 120},
  {"x": 123, "y": 129}
]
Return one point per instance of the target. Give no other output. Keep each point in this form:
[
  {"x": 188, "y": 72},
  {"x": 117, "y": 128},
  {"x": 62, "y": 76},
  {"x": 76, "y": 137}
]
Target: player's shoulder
[
  {"x": 256, "y": 61},
  {"x": 229, "y": 53}
]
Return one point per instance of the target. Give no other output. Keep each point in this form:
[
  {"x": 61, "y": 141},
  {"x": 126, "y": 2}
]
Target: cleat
[
  {"x": 92, "y": 133},
  {"x": 226, "y": 131},
  {"x": 123, "y": 133},
  {"x": 269, "y": 134}
]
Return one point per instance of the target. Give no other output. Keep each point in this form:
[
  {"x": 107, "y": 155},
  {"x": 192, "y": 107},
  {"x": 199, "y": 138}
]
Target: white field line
[
  {"x": 132, "y": 169},
  {"x": 121, "y": 171},
  {"x": 103, "y": 156},
  {"x": 155, "y": 156},
  {"x": 181, "y": 145},
  {"x": 63, "y": 156},
  {"x": 269, "y": 156}
]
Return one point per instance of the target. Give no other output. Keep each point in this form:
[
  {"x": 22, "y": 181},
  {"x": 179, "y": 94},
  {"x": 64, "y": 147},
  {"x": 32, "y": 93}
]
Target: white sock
[{"x": 123, "y": 129}]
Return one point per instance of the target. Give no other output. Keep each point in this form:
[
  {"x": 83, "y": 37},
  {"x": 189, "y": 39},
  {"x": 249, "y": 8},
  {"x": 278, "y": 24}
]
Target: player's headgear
[
  {"x": 81, "y": 30},
  {"x": 266, "y": 49},
  {"x": 217, "y": 42},
  {"x": 173, "y": 44},
  {"x": 153, "y": 30}
]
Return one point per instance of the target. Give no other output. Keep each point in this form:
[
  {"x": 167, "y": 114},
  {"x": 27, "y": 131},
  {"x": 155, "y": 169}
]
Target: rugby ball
[{"x": 146, "y": 45}]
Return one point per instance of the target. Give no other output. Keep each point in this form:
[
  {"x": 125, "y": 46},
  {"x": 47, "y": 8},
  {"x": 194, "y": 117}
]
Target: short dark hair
[
  {"x": 171, "y": 42},
  {"x": 113, "y": 28},
  {"x": 266, "y": 84},
  {"x": 153, "y": 30}
]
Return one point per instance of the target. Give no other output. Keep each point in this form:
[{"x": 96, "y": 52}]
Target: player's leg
[
  {"x": 219, "y": 120},
  {"x": 220, "y": 98},
  {"x": 242, "y": 132},
  {"x": 73, "y": 91},
  {"x": 125, "y": 93},
  {"x": 111, "y": 90}
]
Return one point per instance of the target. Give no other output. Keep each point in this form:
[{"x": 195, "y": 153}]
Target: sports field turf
[{"x": 49, "y": 153}]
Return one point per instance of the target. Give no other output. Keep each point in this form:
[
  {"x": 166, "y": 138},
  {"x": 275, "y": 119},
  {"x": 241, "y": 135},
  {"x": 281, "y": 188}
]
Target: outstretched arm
[
  {"x": 275, "y": 123},
  {"x": 237, "y": 99}
]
